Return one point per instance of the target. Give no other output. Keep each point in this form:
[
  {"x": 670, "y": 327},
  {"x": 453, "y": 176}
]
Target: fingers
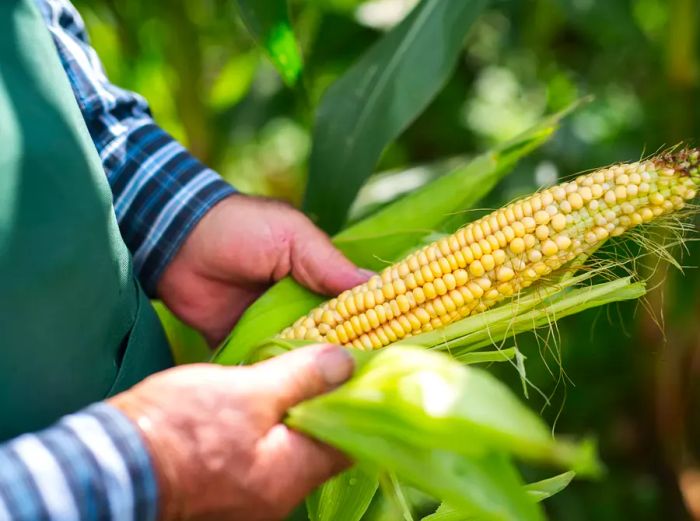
[
  {"x": 318, "y": 265},
  {"x": 289, "y": 379},
  {"x": 296, "y": 464}
]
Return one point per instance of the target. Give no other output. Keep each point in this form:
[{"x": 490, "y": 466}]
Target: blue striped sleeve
[
  {"x": 160, "y": 190},
  {"x": 91, "y": 465}
]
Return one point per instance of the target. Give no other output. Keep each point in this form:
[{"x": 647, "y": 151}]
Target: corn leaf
[
  {"x": 377, "y": 98},
  {"x": 393, "y": 491},
  {"x": 384, "y": 188},
  {"x": 428, "y": 400},
  {"x": 487, "y": 485},
  {"x": 538, "y": 491},
  {"x": 541, "y": 490},
  {"x": 484, "y": 357},
  {"x": 272, "y": 312},
  {"x": 377, "y": 250},
  {"x": 346, "y": 497},
  {"x": 447, "y": 513},
  {"x": 269, "y": 24}
]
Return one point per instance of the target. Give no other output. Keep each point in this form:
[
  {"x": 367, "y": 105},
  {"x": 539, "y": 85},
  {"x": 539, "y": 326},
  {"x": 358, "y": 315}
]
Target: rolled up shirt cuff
[
  {"x": 90, "y": 465},
  {"x": 161, "y": 192}
]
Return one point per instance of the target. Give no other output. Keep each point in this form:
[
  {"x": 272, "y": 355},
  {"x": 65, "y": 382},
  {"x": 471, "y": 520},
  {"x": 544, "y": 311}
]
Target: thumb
[
  {"x": 291, "y": 378},
  {"x": 296, "y": 464},
  {"x": 318, "y": 265}
]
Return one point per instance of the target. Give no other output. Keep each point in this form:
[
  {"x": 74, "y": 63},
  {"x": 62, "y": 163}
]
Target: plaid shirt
[
  {"x": 160, "y": 190},
  {"x": 94, "y": 464}
]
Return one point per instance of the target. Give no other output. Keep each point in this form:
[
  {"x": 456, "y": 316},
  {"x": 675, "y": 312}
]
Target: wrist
[{"x": 162, "y": 448}]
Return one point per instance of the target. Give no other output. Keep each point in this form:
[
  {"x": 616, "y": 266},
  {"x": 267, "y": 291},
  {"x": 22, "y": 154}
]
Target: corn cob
[{"x": 502, "y": 253}]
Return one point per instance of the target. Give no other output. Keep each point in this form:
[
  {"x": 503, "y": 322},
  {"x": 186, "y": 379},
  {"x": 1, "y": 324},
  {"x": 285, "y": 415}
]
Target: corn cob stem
[{"x": 502, "y": 253}]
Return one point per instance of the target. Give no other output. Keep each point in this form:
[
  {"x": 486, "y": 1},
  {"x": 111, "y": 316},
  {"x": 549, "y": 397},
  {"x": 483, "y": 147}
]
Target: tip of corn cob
[
  {"x": 503, "y": 253},
  {"x": 684, "y": 162}
]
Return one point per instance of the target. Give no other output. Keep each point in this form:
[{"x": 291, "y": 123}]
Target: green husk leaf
[
  {"x": 393, "y": 491},
  {"x": 538, "y": 491},
  {"x": 346, "y": 497},
  {"x": 428, "y": 400},
  {"x": 541, "y": 490},
  {"x": 488, "y": 485},
  {"x": 387, "y": 187},
  {"x": 485, "y": 357},
  {"x": 271, "y": 313},
  {"x": 519, "y": 315}
]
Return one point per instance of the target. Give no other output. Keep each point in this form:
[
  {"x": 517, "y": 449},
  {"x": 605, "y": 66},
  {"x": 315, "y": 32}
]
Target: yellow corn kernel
[
  {"x": 488, "y": 262},
  {"x": 558, "y": 222},
  {"x": 517, "y": 245},
  {"x": 461, "y": 277},
  {"x": 542, "y": 217},
  {"x": 445, "y": 266},
  {"x": 422, "y": 315},
  {"x": 440, "y": 286},
  {"x": 504, "y": 274},
  {"x": 549, "y": 248},
  {"x": 499, "y": 256},
  {"x": 476, "y": 268},
  {"x": 403, "y": 304}
]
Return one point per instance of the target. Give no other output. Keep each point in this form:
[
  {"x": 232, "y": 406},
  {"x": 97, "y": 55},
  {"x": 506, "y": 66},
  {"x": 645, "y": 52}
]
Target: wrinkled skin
[
  {"x": 242, "y": 246},
  {"x": 216, "y": 439}
]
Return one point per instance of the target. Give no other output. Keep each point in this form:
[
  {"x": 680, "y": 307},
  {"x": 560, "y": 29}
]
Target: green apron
[{"x": 75, "y": 327}]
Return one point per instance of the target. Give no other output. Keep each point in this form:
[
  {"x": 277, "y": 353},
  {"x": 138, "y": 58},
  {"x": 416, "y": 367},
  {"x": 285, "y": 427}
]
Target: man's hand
[
  {"x": 216, "y": 439},
  {"x": 242, "y": 246}
]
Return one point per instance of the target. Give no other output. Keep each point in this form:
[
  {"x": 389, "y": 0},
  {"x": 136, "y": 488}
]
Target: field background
[{"x": 617, "y": 375}]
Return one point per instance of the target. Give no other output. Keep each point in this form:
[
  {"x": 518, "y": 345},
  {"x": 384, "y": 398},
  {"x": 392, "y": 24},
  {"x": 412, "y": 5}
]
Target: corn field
[{"x": 521, "y": 177}]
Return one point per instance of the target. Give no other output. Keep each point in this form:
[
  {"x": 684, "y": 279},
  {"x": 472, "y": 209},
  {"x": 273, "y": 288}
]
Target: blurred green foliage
[{"x": 617, "y": 375}]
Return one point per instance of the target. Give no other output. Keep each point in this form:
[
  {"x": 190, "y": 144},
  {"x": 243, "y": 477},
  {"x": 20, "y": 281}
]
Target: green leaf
[
  {"x": 487, "y": 485},
  {"x": 271, "y": 313},
  {"x": 447, "y": 513},
  {"x": 384, "y": 188},
  {"x": 538, "y": 491},
  {"x": 483, "y": 357},
  {"x": 346, "y": 497},
  {"x": 268, "y": 22},
  {"x": 393, "y": 491},
  {"x": 428, "y": 400},
  {"x": 377, "y": 98},
  {"x": 546, "y": 488}
]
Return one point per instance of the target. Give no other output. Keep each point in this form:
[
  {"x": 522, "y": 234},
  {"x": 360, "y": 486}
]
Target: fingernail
[
  {"x": 335, "y": 365},
  {"x": 366, "y": 274}
]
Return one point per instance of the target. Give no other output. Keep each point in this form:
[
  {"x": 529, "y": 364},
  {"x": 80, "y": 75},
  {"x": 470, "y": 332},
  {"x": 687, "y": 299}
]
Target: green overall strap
[{"x": 75, "y": 326}]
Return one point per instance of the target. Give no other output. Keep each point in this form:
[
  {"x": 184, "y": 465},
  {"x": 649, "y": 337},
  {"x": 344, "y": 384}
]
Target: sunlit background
[{"x": 633, "y": 386}]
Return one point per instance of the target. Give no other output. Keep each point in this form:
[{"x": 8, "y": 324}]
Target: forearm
[{"x": 90, "y": 465}]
